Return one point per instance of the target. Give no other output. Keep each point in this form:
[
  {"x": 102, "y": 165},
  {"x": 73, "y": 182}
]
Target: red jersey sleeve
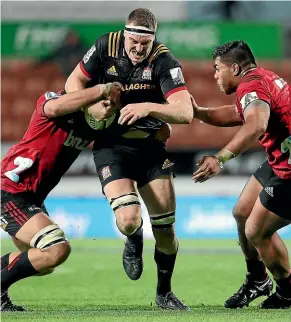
[
  {"x": 249, "y": 90},
  {"x": 44, "y": 98}
]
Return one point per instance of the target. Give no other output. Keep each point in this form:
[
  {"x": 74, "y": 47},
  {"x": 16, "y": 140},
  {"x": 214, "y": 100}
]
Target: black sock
[
  {"x": 5, "y": 260},
  {"x": 284, "y": 287},
  {"x": 257, "y": 269},
  {"x": 165, "y": 265},
  {"x": 18, "y": 269},
  {"x": 138, "y": 234}
]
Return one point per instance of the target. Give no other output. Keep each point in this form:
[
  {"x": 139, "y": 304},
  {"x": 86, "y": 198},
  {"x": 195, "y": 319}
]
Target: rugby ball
[{"x": 98, "y": 124}]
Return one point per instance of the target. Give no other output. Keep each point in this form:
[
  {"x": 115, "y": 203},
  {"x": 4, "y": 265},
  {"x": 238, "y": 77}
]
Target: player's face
[
  {"x": 137, "y": 47},
  {"x": 225, "y": 77}
]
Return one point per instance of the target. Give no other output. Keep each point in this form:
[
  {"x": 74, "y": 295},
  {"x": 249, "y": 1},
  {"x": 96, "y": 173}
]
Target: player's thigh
[
  {"x": 159, "y": 198},
  {"x": 25, "y": 220},
  {"x": 34, "y": 225},
  {"x": 276, "y": 196},
  {"x": 21, "y": 246},
  {"x": 116, "y": 171},
  {"x": 247, "y": 199},
  {"x": 251, "y": 191},
  {"x": 263, "y": 223},
  {"x": 159, "y": 195},
  {"x": 272, "y": 209}
]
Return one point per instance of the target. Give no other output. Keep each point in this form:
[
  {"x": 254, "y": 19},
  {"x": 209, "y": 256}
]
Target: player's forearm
[
  {"x": 72, "y": 102},
  {"x": 178, "y": 112},
  {"x": 224, "y": 116},
  {"x": 243, "y": 140}
]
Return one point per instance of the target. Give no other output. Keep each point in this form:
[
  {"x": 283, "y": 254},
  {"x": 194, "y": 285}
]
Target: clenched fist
[
  {"x": 112, "y": 93},
  {"x": 101, "y": 110}
]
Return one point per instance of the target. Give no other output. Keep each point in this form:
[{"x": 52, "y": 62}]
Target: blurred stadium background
[{"x": 41, "y": 43}]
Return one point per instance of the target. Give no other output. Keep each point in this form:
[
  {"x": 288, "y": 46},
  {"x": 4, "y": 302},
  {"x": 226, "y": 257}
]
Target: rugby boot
[
  {"x": 249, "y": 291},
  {"x": 7, "y": 305},
  {"x": 276, "y": 301},
  {"x": 169, "y": 301},
  {"x": 132, "y": 255}
]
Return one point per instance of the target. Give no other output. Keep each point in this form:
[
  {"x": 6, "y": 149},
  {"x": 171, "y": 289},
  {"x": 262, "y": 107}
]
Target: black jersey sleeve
[
  {"x": 91, "y": 64},
  {"x": 169, "y": 74}
]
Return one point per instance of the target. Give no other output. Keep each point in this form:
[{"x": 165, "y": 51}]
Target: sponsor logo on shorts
[
  {"x": 3, "y": 223},
  {"x": 33, "y": 208},
  {"x": 270, "y": 191},
  {"x": 105, "y": 172},
  {"x": 167, "y": 164}
]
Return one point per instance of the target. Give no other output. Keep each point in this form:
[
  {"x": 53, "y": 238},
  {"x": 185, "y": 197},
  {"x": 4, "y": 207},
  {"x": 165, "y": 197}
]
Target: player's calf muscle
[{"x": 166, "y": 240}]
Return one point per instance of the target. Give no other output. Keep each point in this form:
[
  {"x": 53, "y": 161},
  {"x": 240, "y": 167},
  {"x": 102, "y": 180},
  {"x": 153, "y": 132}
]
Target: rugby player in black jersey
[{"x": 132, "y": 161}]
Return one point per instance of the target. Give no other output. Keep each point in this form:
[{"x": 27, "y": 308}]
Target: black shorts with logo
[
  {"x": 17, "y": 209},
  {"x": 276, "y": 193},
  {"x": 141, "y": 161}
]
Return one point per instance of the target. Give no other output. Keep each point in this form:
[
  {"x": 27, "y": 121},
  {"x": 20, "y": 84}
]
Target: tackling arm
[
  {"x": 72, "y": 102},
  {"x": 256, "y": 121},
  {"x": 224, "y": 116}
]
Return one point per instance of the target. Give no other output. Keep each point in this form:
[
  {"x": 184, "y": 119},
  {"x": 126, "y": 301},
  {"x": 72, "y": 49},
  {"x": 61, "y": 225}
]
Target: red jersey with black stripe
[
  {"x": 48, "y": 149},
  {"x": 262, "y": 84},
  {"x": 152, "y": 80}
]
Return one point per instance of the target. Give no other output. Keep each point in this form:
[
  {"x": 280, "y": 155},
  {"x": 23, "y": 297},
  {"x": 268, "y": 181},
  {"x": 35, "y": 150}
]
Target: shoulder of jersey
[
  {"x": 158, "y": 52},
  {"x": 113, "y": 43},
  {"x": 253, "y": 76}
]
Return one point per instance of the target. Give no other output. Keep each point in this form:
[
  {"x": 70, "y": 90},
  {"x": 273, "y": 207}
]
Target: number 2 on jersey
[
  {"x": 23, "y": 164},
  {"x": 286, "y": 146}
]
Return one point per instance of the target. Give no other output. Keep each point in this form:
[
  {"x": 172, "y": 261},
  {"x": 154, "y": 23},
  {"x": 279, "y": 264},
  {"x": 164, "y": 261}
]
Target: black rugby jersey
[{"x": 152, "y": 80}]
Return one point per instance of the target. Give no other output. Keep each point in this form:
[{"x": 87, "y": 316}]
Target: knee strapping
[
  {"x": 48, "y": 237},
  {"x": 163, "y": 220},
  {"x": 123, "y": 201}
]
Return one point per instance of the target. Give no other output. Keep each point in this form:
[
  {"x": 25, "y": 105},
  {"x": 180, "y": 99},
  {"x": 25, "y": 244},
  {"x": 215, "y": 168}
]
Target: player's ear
[{"x": 235, "y": 69}]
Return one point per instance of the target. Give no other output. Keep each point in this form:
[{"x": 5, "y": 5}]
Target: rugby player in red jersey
[
  {"x": 56, "y": 135},
  {"x": 263, "y": 108}
]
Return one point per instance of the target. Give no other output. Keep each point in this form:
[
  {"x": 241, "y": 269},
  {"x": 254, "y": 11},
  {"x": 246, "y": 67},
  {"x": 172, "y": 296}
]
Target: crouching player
[{"x": 57, "y": 133}]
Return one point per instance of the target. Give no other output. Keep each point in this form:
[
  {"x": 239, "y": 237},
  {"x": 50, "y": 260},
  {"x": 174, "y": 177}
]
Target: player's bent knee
[
  {"x": 240, "y": 213},
  {"x": 253, "y": 234},
  {"x": 127, "y": 211},
  {"x": 58, "y": 254},
  {"x": 162, "y": 221}
]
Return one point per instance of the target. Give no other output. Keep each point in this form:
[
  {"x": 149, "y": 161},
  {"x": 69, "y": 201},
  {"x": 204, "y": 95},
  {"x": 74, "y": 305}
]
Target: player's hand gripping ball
[{"x": 101, "y": 115}]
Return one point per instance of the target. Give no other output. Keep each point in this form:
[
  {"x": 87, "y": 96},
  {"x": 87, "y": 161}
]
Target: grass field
[{"x": 92, "y": 286}]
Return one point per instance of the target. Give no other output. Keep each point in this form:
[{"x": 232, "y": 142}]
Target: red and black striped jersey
[
  {"x": 262, "y": 84},
  {"x": 47, "y": 150}
]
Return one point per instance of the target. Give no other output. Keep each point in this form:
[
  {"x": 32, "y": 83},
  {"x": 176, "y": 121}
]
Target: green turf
[{"x": 92, "y": 286}]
